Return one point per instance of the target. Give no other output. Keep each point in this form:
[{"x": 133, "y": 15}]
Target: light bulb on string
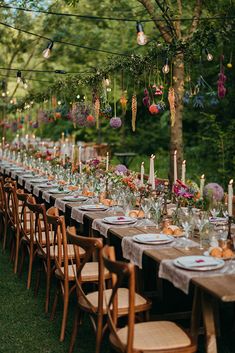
[
  {"x": 25, "y": 84},
  {"x": 107, "y": 81},
  {"x": 47, "y": 52},
  {"x": 208, "y": 55},
  {"x": 18, "y": 75},
  {"x": 166, "y": 67},
  {"x": 141, "y": 37}
]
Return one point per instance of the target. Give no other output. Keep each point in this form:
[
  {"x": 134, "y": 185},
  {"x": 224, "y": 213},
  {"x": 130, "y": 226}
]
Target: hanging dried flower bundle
[
  {"x": 171, "y": 99},
  {"x": 123, "y": 102},
  {"x": 97, "y": 112},
  {"x": 53, "y": 102},
  {"x": 134, "y": 111}
]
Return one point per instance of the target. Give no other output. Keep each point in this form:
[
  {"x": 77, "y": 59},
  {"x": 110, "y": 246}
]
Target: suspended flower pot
[
  {"x": 161, "y": 106},
  {"x": 153, "y": 109},
  {"x": 146, "y": 99},
  {"x": 91, "y": 120},
  {"x": 115, "y": 122}
]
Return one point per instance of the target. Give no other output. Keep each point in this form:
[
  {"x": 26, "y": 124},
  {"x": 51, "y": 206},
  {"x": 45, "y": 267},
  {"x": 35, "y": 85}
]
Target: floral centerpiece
[
  {"x": 187, "y": 194},
  {"x": 95, "y": 167}
]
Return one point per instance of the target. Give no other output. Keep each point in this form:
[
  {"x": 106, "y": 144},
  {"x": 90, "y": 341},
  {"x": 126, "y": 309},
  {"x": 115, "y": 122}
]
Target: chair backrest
[
  {"x": 12, "y": 205},
  {"x": 23, "y": 213},
  {"x": 2, "y": 195},
  {"x": 39, "y": 226},
  {"x": 124, "y": 273},
  {"x": 91, "y": 246},
  {"x": 57, "y": 226}
]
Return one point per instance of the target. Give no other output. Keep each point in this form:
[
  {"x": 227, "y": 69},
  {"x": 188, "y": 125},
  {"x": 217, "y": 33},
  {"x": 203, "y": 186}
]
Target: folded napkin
[
  {"x": 152, "y": 237},
  {"x": 201, "y": 261}
]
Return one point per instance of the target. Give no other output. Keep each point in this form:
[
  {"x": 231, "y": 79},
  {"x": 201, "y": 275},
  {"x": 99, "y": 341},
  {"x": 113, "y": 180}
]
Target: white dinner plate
[
  {"x": 57, "y": 191},
  {"x": 119, "y": 220},
  {"x": 152, "y": 238},
  {"x": 74, "y": 198},
  {"x": 27, "y": 176},
  {"x": 198, "y": 263},
  {"x": 218, "y": 220},
  {"x": 48, "y": 185},
  {"x": 39, "y": 180},
  {"x": 93, "y": 207}
]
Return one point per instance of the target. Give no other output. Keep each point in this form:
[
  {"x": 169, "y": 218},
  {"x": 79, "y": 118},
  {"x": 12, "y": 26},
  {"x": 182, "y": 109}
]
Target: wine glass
[
  {"x": 146, "y": 205},
  {"x": 201, "y": 223},
  {"x": 156, "y": 206}
]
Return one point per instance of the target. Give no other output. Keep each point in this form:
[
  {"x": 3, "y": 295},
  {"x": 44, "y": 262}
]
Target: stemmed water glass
[
  {"x": 156, "y": 206},
  {"x": 146, "y": 205},
  {"x": 201, "y": 222}
]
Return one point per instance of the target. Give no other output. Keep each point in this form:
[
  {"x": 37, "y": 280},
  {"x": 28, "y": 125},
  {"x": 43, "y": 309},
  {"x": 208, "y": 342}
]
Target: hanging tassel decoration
[
  {"x": 134, "y": 111},
  {"x": 171, "y": 99},
  {"x": 53, "y": 102},
  {"x": 123, "y": 102},
  {"x": 97, "y": 112}
]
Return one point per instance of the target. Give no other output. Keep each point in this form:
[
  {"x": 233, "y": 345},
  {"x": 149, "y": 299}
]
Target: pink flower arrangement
[{"x": 182, "y": 190}]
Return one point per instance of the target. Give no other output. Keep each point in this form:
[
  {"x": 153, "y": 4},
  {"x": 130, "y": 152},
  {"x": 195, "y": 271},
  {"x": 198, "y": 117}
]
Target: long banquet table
[{"x": 205, "y": 287}]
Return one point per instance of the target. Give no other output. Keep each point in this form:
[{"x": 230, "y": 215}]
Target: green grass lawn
[{"x": 24, "y": 327}]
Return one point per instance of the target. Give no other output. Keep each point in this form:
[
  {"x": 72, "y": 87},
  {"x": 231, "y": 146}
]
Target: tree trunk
[{"x": 176, "y": 136}]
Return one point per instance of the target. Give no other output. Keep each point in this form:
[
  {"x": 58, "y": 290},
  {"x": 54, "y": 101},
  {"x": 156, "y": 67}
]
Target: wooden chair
[
  {"x": 28, "y": 241},
  {"x": 41, "y": 235},
  {"x": 3, "y": 212},
  {"x": 145, "y": 337},
  {"x": 62, "y": 257},
  {"x": 12, "y": 221},
  {"x": 65, "y": 269},
  {"x": 92, "y": 303}
]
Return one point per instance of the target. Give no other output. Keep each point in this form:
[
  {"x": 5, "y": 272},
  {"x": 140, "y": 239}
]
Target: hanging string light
[
  {"x": 25, "y": 84},
  {"x": 166, "y": 67},
  {"x": 47, "y": 52},
  {"x": 18, "y": 75},
  {"x": 141, "y": 37},
  {"x": 208, "y": 55}
]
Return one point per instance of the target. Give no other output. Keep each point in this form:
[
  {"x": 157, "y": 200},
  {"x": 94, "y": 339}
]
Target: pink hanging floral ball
[
  {"x": 90, "y": 119},
  {"x": 115, "y": 122},
  {"x": 153, "y": 109}
]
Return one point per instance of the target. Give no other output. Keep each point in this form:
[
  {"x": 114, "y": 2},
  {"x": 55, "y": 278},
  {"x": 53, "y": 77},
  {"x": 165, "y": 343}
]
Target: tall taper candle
[
  {"x": 79, "y": 154},
  {"x": 107, "y": 162},
  {"x": 151, "y": 180},
  {"x": 230, "y": 198},
  {"x": 73, "y": 154},
  {"x": 63, "y": 153},
  {"x": 202, "y": 183},
  {"x": 183, "y": 175},
  {"x": 142, "y": 173},
  {"x": 175, "y": 166}
]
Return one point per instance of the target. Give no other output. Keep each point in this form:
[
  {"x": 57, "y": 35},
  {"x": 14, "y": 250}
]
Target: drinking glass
[{"x": 146, "y": 205}]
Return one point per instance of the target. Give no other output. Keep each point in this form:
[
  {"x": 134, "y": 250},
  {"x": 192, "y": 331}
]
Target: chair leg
[
  {"x": 31, "y": 258},
  {"x": 77, "y": 318},
  {"x": 99, "y": 333},
  {"x": 17, "y": 242},
  {"x": 48, "y": 285},
  {"x": 22, "y": 246},
  {"x": 12, "y": 247},
  {"x": 65, "y": 312},
  {"x": 55, "y": 301},
  {"x": 38, "y": 277},
  {"x": 5, "y": 234}
]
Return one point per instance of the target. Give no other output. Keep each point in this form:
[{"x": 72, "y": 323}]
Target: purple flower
[
  {"x": 115, "y": 122},
  {"x": 121, "y": 169},
  {"x": 94, "y": 162},
  {"x": 214, "y": 190}
]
